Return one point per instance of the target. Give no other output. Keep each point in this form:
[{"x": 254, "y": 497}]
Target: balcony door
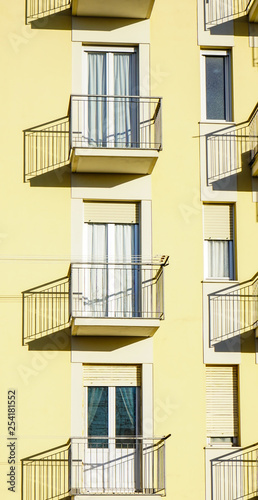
[
  {"x": 112, "y": 423},
  {"x": 111, "y": 280},
  {"x": 110, "y": 75}
]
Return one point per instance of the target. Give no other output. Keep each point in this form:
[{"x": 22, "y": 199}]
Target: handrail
[
  {"x": 233, "y": 310},
  {"x": 97, "y": 464},
  {"x": 227, "y": 147},
  {"x": 234, "y": 475},
  {"x": 133, "y": 289}
]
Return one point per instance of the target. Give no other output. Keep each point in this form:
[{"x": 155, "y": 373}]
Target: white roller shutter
[
  {"x": 222, "y": 401},
  {"x": 111, "y": 212},
  {"x": 112, "y": 375},
  {"x": 218, "y": 222}
]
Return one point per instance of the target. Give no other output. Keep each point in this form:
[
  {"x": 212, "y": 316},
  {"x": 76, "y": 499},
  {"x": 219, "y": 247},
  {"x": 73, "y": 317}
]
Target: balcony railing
[
  {"x": 226, "y": 148},
  {"x": 235, "y": 475},
  {"x": 101, "y": 121},
  {"x": 222, "y": 11},
  {"x": 233, "y": 311},
  {"x": 129, "y": 123},
  {"x": 46, "y": 148},
  {"x": 36, "y": 9},
  {"x": 132, "y": 290},
  {"x": 96, "y": 465}
]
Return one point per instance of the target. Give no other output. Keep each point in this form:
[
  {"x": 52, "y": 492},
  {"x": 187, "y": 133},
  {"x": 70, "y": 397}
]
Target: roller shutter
[
  {"x": 222, "y": 401},
  {"x": 112, "y": 213},
  {"x": 218, "y": 222},
  {"x": 112, "y": 375}
]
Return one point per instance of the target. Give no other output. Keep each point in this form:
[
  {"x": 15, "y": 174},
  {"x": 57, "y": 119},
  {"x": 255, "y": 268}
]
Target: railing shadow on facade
[
  {"x": 227, "y": 148},
  {"x": 95, "y": 122},
  {"x": 233, "y": 311},
  {"x": 221, "y": 11},
  {"x": 46, "y": 148},
  {"x": 38, "y": 9},
  {"x": 234, "y": 476},
  {"x": 45, "y": 309},
  {"x": 126, "y": 290},
  {"x": 96, "y": 465}
]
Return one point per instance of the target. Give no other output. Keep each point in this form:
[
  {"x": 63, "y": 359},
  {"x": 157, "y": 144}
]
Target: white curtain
[
  {"x": 95, "y": 272},
  {"x": 123, "y": 275},
  {"x": 108, "y": 290},
  {"x": 97, "y": 112},
  {"x": 125, "y": 108},
  {"x": 220, "y": 259}
]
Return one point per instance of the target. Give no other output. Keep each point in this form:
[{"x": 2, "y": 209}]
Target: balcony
[
  {"x": 99, "y": 465},
  {"x": 135, "y": 9},
  {"x": 235, "y": 475},
  {"x": 102, "y": 134},
  {"x": 125, "y": 299},
  {"x": 230, "y": 148},
  {"x": 233, "y": 311},
  {"x": 222, "y": 11}
]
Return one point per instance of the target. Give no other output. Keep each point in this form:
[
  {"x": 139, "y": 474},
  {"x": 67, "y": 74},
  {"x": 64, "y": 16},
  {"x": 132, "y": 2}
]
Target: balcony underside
[
  {"x": 253, "y": 13},
  {"x": 112, "y": 327},
  {"x": 134, "y": 9},
  {"x": 113, "y": 161}
]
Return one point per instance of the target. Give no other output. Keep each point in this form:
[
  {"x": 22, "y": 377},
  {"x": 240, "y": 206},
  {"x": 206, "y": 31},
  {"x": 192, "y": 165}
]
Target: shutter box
[
  {"x": 112, "y": 375},
  {"x": 218, "y": 222},
  {"x": 222, "y": 401},
  {"x": 111, "y": 212}
]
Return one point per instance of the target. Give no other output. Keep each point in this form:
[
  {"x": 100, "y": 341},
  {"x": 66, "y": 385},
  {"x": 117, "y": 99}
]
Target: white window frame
[
  {"x": 228, "y": 86},
  {"x": 232, "y": 267}
]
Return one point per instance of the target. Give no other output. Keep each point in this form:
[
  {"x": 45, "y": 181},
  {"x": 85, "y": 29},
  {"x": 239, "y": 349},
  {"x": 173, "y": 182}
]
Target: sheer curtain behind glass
[
  {"x": 220, "y": 256},
  {"x": 110, "y": 290},
  {"x": 95, "y": 273},
  {"x": 215, "y": 88},
  {"x": 125, "y": 108},
  {"x": 97, "y": 107}
]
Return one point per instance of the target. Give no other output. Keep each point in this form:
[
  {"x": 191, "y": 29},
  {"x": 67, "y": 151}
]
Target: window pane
[
  {"x": 220, "y": 259},
  {"x": 125, "y": 415},
  {"x": 98, "y": 415},
  {"x": 215, "y": 88}
]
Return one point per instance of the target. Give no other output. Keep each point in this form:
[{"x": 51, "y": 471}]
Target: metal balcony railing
[
  {"x": 95, "y": 290},
  {"x": 235, "y": 475},
  {"x": 108, "y": 121},
  {"x": 99, "y": 122},
  {"x": 36, "y": 9},
  {"x": 117, "y": 290},
  {"x": 233, "y": 311},
  {"x": 95, "y": 465},
  {"x": 226, "y": 148},
  {"x": 46, "y": 147},
  {"x": 222, "y": 11}
]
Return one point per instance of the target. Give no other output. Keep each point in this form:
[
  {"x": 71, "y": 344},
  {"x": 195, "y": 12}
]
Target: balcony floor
[{"x": 110, "y": 327}]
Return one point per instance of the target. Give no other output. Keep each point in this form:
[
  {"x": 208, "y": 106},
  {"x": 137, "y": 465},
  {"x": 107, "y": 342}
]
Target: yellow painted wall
[
  {"x": 35, "y": 237},
  {"x": 35, "y": 230}
]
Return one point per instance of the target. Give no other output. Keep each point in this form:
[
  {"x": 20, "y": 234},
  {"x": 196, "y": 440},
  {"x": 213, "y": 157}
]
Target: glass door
[
  {"x": 112, "y": 455},
  {"x": 110, "y": 80},
  {"x": 110, "y": 280}
]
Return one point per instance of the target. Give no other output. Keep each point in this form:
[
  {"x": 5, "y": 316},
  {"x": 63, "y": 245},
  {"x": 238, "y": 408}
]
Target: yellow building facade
[{"x": 129, "y": 134}]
